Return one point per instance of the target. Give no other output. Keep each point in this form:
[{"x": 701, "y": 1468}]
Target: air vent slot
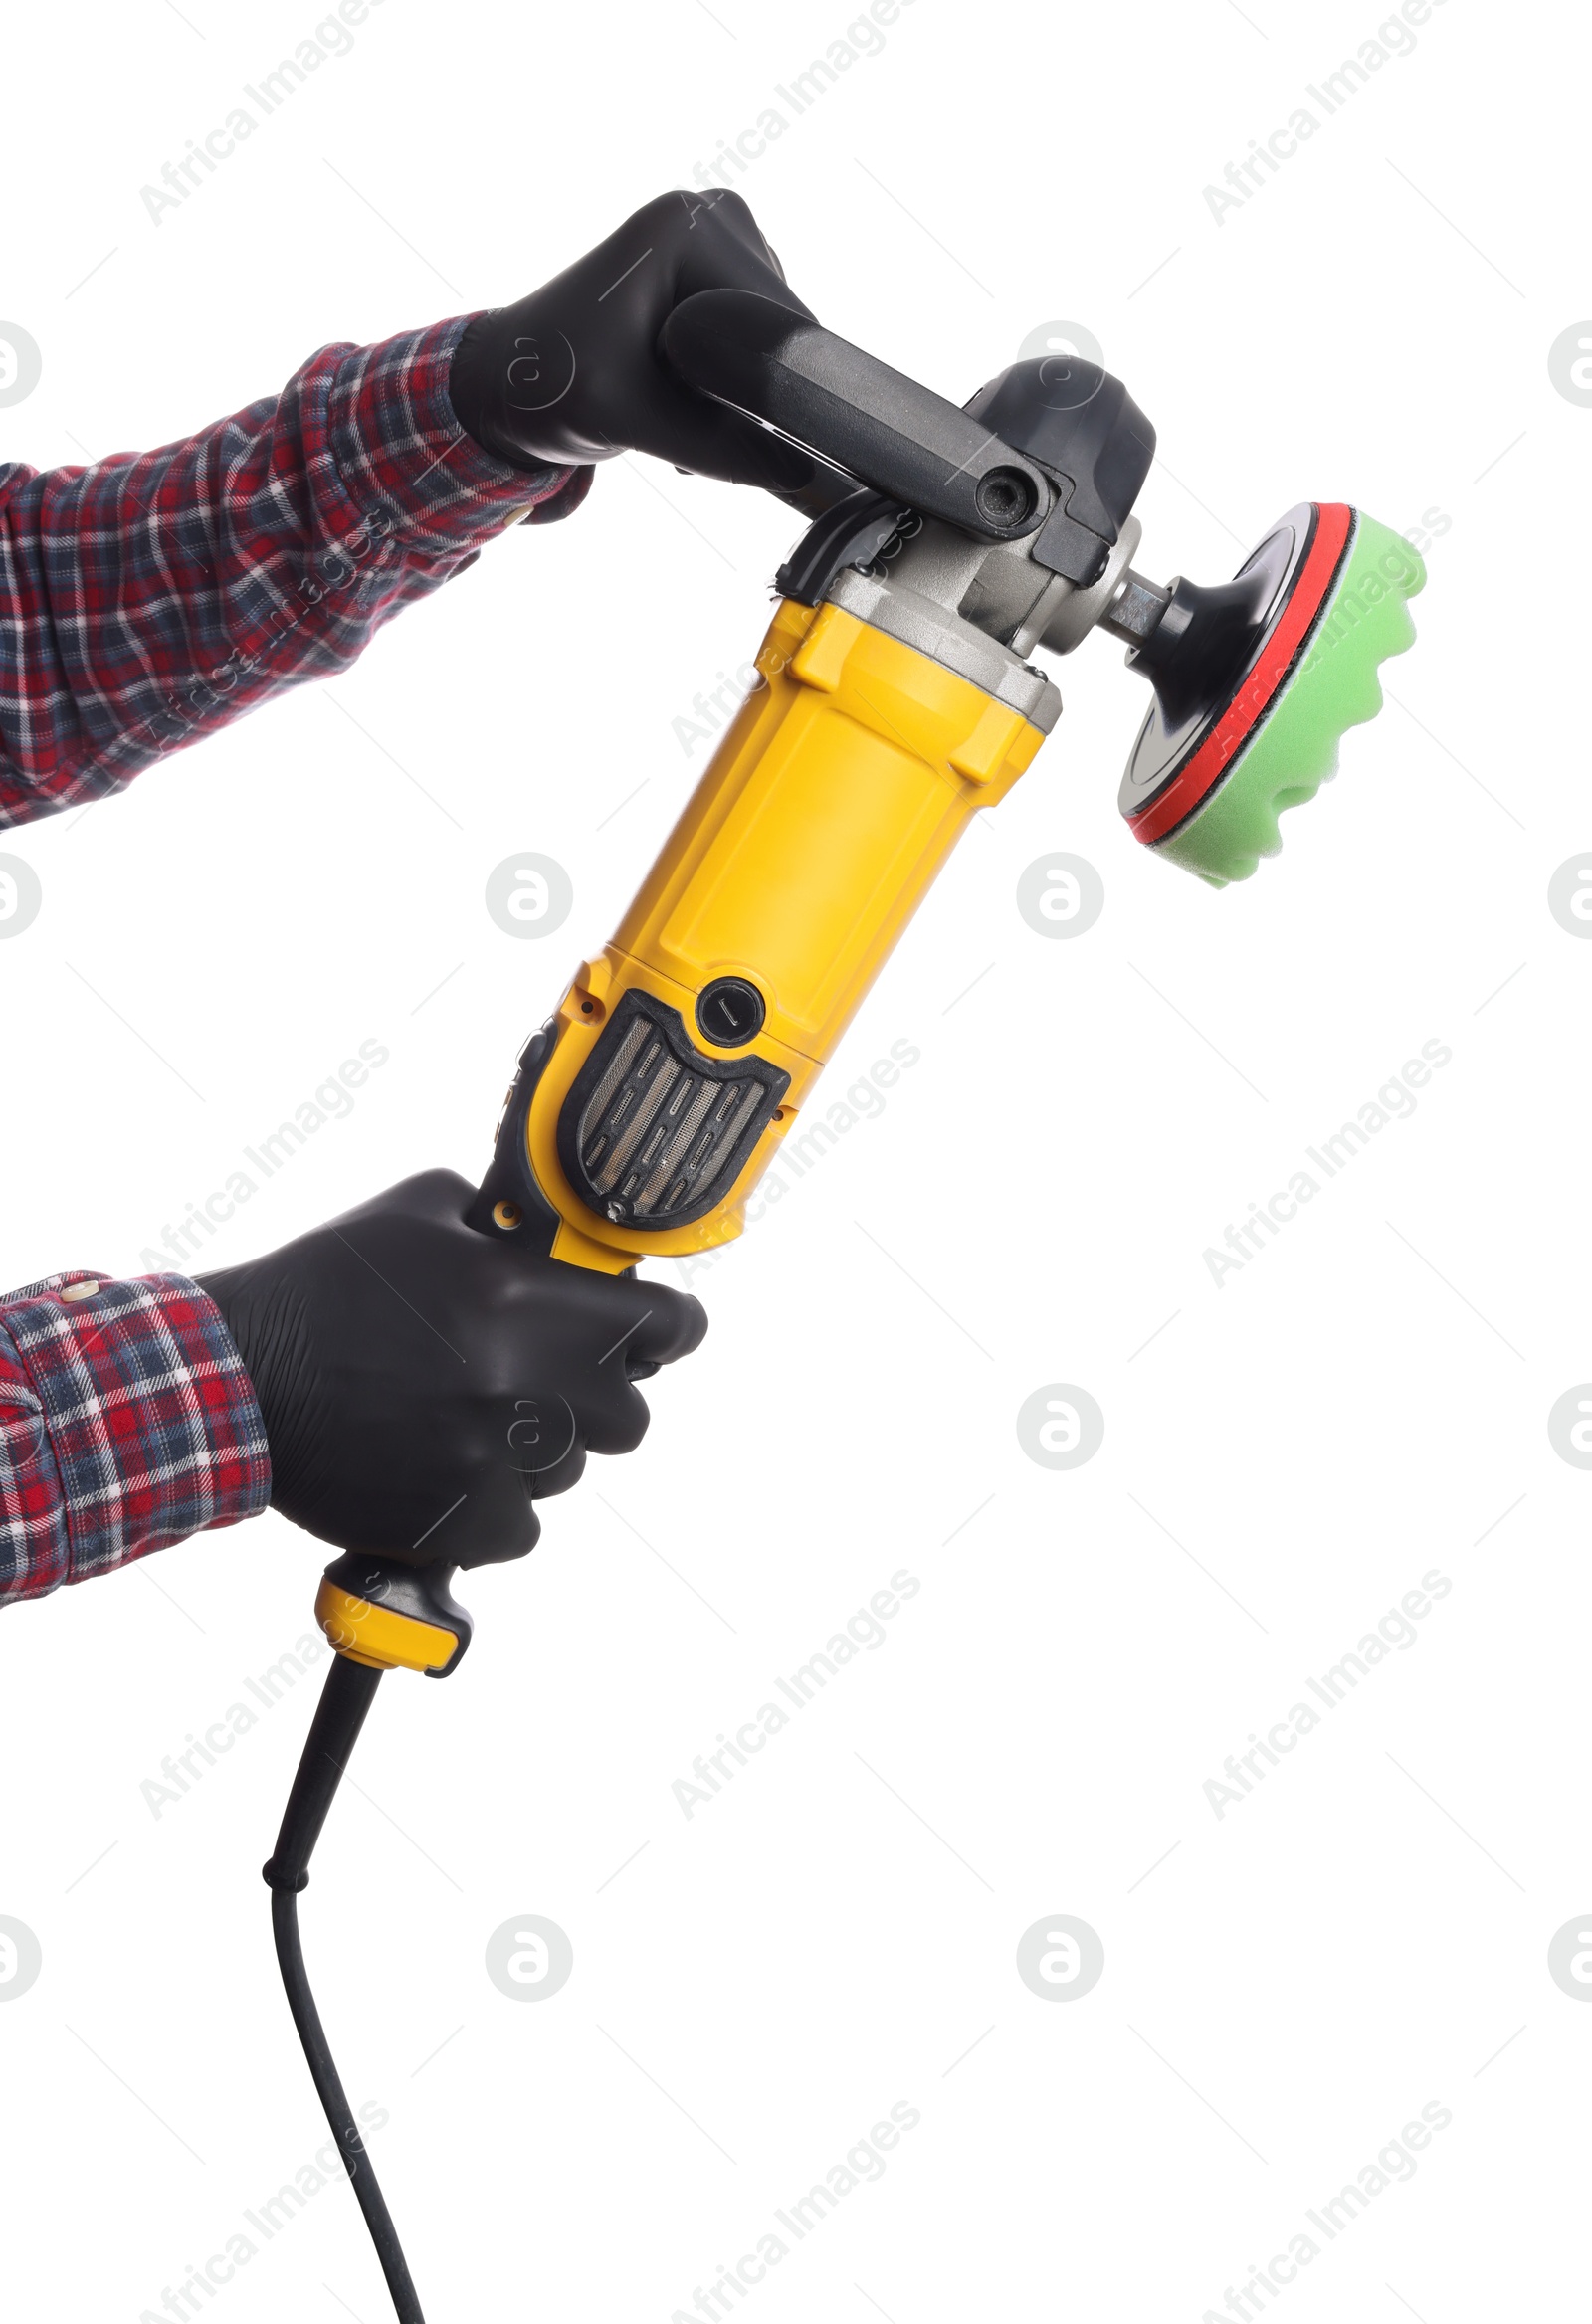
[{"x": 653, "y": 1133}]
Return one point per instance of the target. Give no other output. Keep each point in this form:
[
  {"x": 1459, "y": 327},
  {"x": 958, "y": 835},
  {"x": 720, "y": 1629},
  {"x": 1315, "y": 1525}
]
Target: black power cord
[{"x": 349, "y": 1692}]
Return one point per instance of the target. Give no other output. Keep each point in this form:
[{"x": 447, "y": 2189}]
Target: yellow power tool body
[
  {"x": 644, "y": 1114},
  {"x": 892, "y": 699}
]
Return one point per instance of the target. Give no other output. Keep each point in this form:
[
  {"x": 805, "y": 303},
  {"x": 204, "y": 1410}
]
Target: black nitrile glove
[
  {"x": 572, "y": 373},
  {"x": 422, "y": 1382}
]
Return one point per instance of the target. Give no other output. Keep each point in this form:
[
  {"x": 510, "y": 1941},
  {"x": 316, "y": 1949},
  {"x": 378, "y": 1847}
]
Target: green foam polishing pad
[{"x": 1264, "y": 676}]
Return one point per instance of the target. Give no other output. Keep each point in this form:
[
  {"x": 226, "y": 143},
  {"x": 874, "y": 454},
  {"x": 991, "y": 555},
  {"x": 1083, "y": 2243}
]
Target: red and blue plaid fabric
[
  {"x": 126, "y": 1421},
  {"x": 144, "y": 602},
  {"x": 156, "y": 596}
]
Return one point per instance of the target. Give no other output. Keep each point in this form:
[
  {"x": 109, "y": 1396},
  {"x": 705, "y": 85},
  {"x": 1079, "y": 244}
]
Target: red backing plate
[{"x": 1261, "y": 685}]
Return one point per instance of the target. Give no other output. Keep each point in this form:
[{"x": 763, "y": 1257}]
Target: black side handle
[{"x": 856, "y": 412}]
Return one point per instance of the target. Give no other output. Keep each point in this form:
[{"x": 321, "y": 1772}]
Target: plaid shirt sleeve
[
  {"x": 126, "y": 1421},
  {"x": 156, "y": 596}
]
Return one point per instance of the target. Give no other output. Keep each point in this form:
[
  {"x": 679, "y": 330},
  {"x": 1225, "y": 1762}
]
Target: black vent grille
[{"x": 653, "y": 1133}]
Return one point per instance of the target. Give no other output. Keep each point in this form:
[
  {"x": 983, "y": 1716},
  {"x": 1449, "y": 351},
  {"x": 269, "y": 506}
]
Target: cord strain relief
[{"x": 284, "y": 1883}]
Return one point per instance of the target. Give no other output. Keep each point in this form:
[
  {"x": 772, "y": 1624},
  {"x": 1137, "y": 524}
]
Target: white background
[{"x": 1367, "y": 1931}]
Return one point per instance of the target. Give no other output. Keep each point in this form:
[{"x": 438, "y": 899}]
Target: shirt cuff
[
  {"x": 144, "y": 1427},
  {"x": 399, "y": 448}
]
